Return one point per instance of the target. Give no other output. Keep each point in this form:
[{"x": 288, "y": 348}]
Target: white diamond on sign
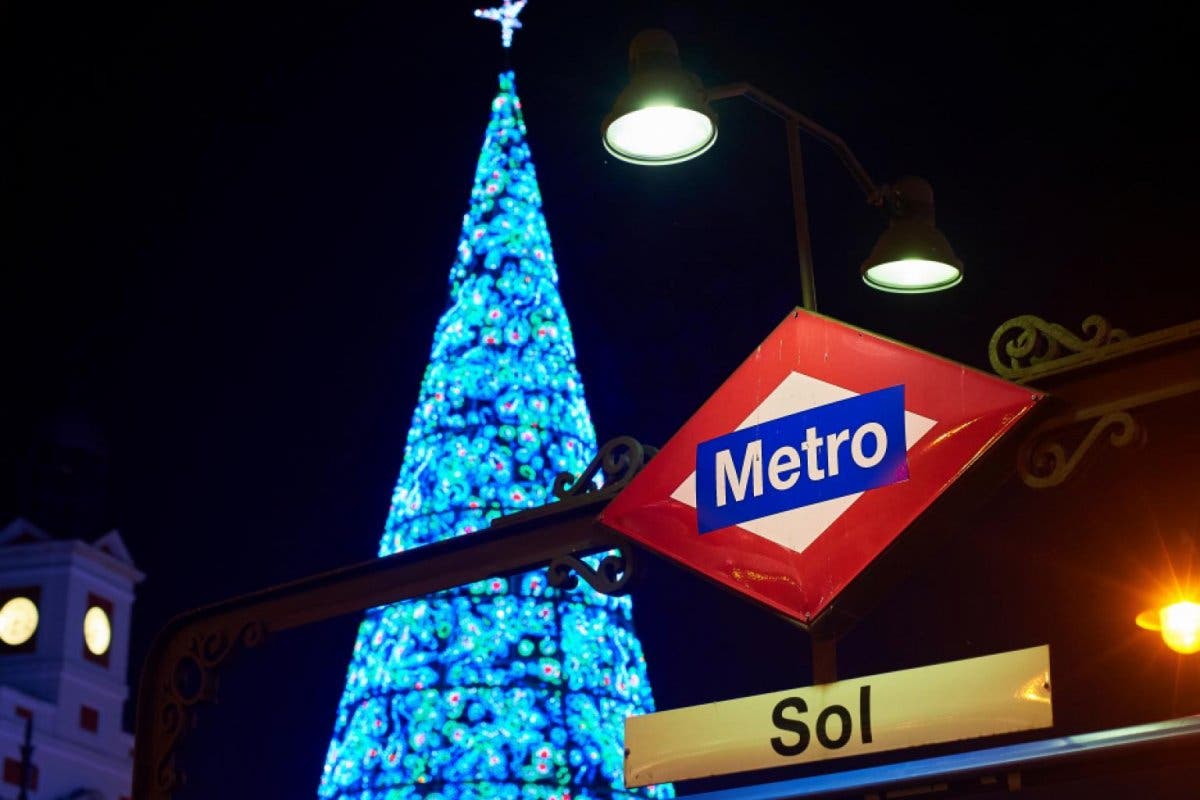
[{"x": 796, "y": 528}]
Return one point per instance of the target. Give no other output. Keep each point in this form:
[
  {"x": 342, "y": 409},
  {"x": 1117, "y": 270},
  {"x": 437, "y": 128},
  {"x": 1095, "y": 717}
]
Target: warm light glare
[
  {"x": 18, "y": 621},
  {"x": 913, "y": 275},
  {"x": 1181, "y": 626},
  {"x": 659, "y": 135},
  {"x": 97, "y": 631}
]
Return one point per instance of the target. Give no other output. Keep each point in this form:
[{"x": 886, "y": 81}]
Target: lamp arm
[{"x": 873, "y": 194}]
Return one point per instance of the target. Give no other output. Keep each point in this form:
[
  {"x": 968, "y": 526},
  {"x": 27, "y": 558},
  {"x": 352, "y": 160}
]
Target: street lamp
[
  {"x": 663, "y": 117},
  {"x": 1179, "y": 624}
]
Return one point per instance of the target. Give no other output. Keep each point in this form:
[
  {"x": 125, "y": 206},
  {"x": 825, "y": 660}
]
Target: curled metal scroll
[
  {"x": 619, "y": 459},
  {"x": 193, "y": 680},
  {"x": 1024, "y": 342},
  {"x": 615, "y": 465},
  {"x": 1044, "y": 462},
  {"x": 612, "y": 576}
]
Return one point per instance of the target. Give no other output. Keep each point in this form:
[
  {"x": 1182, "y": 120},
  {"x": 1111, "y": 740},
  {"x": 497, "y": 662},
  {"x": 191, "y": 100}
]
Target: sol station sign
[
  {"x": 966, "y": 699},
  {"x": 819, "y": 450}
]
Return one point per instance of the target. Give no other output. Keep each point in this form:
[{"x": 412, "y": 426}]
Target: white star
[{"x": 506, "y": 15}]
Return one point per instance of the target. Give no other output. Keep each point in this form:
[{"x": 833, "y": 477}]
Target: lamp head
[
  {"x": 1179, "y": 624},
  {"x": 911, "y": 256},
  {"x": 662, "y": 116}
]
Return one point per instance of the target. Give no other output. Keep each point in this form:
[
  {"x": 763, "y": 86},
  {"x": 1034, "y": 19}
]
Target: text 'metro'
[{"x": 829, "y": 451}]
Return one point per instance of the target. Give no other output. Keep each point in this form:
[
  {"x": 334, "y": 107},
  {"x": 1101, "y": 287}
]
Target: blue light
[{"x": 505, "y": 688}]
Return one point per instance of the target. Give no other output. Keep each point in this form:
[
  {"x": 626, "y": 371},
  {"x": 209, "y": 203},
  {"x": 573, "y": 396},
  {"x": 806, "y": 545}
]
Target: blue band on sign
[{"x": 801, "y": 459}]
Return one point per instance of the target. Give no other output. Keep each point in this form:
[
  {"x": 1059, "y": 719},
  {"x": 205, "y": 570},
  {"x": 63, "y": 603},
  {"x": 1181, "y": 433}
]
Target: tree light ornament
[
  {"x": 506, "y": 15},
  {"x": 505, "y": 688}
]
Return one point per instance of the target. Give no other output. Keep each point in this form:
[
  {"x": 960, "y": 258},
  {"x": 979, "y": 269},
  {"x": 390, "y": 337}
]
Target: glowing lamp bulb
[
  {"x": 1179, "y": 624},
  {"x": 660, "y": 135},
  {"x": 913, "y": 276}
]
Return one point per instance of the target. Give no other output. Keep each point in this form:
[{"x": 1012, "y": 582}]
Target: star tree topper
[{"x": 506, "y": 15}]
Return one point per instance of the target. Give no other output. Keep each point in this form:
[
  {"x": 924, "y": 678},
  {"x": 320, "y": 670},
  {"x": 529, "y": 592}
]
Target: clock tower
[{"x": 65, "y": 607}]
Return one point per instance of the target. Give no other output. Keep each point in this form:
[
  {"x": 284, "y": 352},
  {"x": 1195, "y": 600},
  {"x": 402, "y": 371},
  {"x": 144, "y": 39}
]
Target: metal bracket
[
  {"x": 619, "y": 460},
  {"x": 190, "y": 678},
  {"x": 1043, "y": 461},
  {"x": 1105, "y": 375},
  {"x": 1023, "y": 343},
  {"x": 612, "y": 576},
  {"x": 181, "y": 670}
]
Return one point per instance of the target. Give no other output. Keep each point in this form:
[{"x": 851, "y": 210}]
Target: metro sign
[{"x": 818, "y": 451}]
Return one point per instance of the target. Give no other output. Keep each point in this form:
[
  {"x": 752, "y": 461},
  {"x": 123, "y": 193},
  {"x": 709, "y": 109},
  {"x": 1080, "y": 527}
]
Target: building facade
[{"x": 65, "y": 608}]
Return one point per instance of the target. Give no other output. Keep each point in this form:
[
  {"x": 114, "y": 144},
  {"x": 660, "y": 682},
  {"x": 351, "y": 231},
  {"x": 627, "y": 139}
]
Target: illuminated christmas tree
[{"x": 506, "y": 688}]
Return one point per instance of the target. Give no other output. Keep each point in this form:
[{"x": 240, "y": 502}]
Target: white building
[{"x": 65, "y": 607}]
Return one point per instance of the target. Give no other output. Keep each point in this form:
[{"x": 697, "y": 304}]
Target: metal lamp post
[{"x": 663, "y": 117}]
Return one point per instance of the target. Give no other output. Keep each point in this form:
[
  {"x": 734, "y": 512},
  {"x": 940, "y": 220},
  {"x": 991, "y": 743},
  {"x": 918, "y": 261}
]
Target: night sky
[{"x": 226, "y": 230}]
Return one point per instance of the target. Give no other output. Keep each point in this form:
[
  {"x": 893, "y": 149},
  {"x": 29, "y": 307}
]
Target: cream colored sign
[{"x": 965, "y": 699}]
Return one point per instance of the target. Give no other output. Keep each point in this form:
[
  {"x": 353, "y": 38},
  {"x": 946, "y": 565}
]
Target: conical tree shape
[{"x": 505, "y": 688}]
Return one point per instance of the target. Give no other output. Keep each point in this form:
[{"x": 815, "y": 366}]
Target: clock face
[
  {"x": 18, "y": 621},
  {"x": 97, "y": 631}
]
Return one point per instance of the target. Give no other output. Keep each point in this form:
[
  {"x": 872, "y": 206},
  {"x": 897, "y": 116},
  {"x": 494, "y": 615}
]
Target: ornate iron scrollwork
[
  {"x": 1043, "y": 461},
  {"x": 612, "y": 576},
  {"x": 620, "y": 459},
  {"x": 1024, "y": 342},
  {"x": 191, "y": 681},
  {"x": 617, "y": 462}
]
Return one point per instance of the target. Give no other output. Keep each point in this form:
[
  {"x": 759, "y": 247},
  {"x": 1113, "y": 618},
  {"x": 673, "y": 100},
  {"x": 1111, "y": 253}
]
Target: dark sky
[{"x": 226, "y": 229}]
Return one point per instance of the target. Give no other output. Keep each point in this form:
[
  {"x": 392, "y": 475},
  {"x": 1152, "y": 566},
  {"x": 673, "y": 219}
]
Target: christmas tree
[{"x": 506, "y": 688}]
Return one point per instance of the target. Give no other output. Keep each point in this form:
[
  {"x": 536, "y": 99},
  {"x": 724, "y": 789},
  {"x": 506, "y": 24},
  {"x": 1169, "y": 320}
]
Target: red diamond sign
[{"x": 811, "y": 459}]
